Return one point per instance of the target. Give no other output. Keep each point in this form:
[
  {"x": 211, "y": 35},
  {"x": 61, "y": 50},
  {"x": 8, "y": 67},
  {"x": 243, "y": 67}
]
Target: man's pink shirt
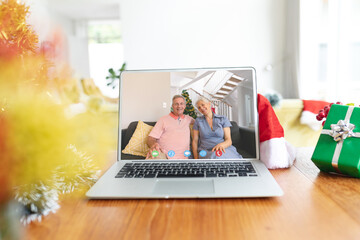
[{"x": 173, "y": 133}]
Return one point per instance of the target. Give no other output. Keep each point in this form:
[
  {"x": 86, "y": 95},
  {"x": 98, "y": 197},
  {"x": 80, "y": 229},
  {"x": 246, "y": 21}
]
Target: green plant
[{"x": 114, "y": 76}]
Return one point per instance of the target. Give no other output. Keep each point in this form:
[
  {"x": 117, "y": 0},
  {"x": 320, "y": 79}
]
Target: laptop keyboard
[{"x": 187, "y": 169}]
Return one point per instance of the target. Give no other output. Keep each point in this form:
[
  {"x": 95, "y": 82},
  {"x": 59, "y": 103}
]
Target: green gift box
[{"x": 338, "y": 147}]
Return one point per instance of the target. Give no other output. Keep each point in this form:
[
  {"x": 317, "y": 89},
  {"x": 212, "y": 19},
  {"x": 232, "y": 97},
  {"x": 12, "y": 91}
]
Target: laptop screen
[{"x": 217, "y": 107}]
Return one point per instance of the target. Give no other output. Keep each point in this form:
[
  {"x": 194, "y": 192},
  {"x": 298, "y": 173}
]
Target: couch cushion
[
  {"x": 130, "y": 131},
  {"x": 137, "y": 143},
  {"x": 289, "y": 114},
  {"x": 247, "y": 144},
  {"x": 235, "y": 134}
]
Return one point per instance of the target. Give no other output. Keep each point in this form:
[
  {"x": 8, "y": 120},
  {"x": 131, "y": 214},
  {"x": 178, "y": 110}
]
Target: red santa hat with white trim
[{"x": 275, "y": 151}]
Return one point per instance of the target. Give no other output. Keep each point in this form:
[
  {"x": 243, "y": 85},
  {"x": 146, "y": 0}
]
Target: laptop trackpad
[{"x": 178, "y": 187}]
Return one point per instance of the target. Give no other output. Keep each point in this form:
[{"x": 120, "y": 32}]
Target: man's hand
[{"x": 154, "y": 147}]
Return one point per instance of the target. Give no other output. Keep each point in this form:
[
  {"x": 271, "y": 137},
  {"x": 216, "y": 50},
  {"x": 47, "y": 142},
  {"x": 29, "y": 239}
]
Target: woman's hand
[
  {"x": 220, "y": 146},
  {"x": 227, "y": 141}
]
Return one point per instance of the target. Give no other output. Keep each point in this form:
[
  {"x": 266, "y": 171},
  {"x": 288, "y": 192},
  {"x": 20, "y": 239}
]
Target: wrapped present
[{"x": 338, "y": 146}]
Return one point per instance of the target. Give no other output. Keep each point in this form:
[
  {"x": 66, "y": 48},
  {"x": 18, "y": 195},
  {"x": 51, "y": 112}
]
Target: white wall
[
  {"x": 189, "y": 33},
  {"x": 143, "y": 96},
  {"x": 206, "y": 33}
]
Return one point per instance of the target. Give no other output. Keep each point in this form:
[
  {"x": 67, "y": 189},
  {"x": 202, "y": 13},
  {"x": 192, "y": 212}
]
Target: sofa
[
  {"x": 242, "y": 138},
  {"x": 299, "y": 135}
]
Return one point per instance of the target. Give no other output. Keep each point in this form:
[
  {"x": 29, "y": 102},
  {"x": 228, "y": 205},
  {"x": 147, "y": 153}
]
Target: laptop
[{"x": 146, "y": 95}]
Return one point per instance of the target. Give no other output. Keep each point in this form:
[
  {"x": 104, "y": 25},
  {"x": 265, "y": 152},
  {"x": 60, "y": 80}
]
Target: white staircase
[
  {"x": 216, "y": 86},
  {"x": 221, "y": 84}
]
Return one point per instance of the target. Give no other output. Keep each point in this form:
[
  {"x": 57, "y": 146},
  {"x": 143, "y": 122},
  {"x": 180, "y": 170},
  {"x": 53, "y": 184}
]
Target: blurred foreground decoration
[
  {"x": 44, "y": 151},
  {"x": 16, "y": 37}
]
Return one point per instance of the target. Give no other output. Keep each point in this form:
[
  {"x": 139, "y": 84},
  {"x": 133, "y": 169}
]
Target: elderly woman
[{"x": 214, "y": 133}]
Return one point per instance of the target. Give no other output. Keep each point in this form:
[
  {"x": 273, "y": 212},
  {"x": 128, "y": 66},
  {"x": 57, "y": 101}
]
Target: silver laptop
[{"x": 147, "y": 96}]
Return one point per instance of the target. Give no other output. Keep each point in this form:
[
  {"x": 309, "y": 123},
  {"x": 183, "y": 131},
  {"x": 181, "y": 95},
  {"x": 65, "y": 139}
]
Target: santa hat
[
  {"x": 310, "y": 110},
  {"x": 275, "y": 151}
]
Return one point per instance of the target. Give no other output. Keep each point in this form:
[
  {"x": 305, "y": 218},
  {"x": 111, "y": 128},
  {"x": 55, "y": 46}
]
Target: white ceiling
[{"x": 87, "y": 9}]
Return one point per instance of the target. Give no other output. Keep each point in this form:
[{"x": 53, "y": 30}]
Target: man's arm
[
  {"x": 195, "y": 143},
  {"x": 153, "y": 145},
  {"x": 152, "y": 142}
]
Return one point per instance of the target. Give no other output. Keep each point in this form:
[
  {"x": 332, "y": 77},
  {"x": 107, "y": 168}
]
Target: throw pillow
[{"x": 137, "y": 144}]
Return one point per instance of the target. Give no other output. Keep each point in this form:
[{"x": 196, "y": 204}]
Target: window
[
  {"x": 105, "y": 52},
  {"x": 330, "y": 50}
]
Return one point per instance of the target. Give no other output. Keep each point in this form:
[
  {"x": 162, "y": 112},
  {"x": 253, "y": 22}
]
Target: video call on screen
[{"x": 147, "y": 96}]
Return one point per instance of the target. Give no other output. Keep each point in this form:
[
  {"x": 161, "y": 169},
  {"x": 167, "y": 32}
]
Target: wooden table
[{"x": 315, "y": 206}]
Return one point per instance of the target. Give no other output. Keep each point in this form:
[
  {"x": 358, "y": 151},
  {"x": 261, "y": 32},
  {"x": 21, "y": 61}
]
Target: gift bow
[{"x": 342, "y": 130}]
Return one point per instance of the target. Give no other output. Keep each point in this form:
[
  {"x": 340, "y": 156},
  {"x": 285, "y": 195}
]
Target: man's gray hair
[{"x": 178, "y": 96}]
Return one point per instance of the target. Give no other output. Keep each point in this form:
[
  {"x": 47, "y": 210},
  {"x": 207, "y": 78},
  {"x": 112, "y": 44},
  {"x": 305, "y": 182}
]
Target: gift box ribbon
[{"x": 340, "y": 131}]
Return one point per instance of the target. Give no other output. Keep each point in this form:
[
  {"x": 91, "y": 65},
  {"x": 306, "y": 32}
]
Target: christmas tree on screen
[{"x": 189, "y": 110}]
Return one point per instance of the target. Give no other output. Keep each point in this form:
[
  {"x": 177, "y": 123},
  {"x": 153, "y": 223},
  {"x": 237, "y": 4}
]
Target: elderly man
[{"x": 170, "y": 137}]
